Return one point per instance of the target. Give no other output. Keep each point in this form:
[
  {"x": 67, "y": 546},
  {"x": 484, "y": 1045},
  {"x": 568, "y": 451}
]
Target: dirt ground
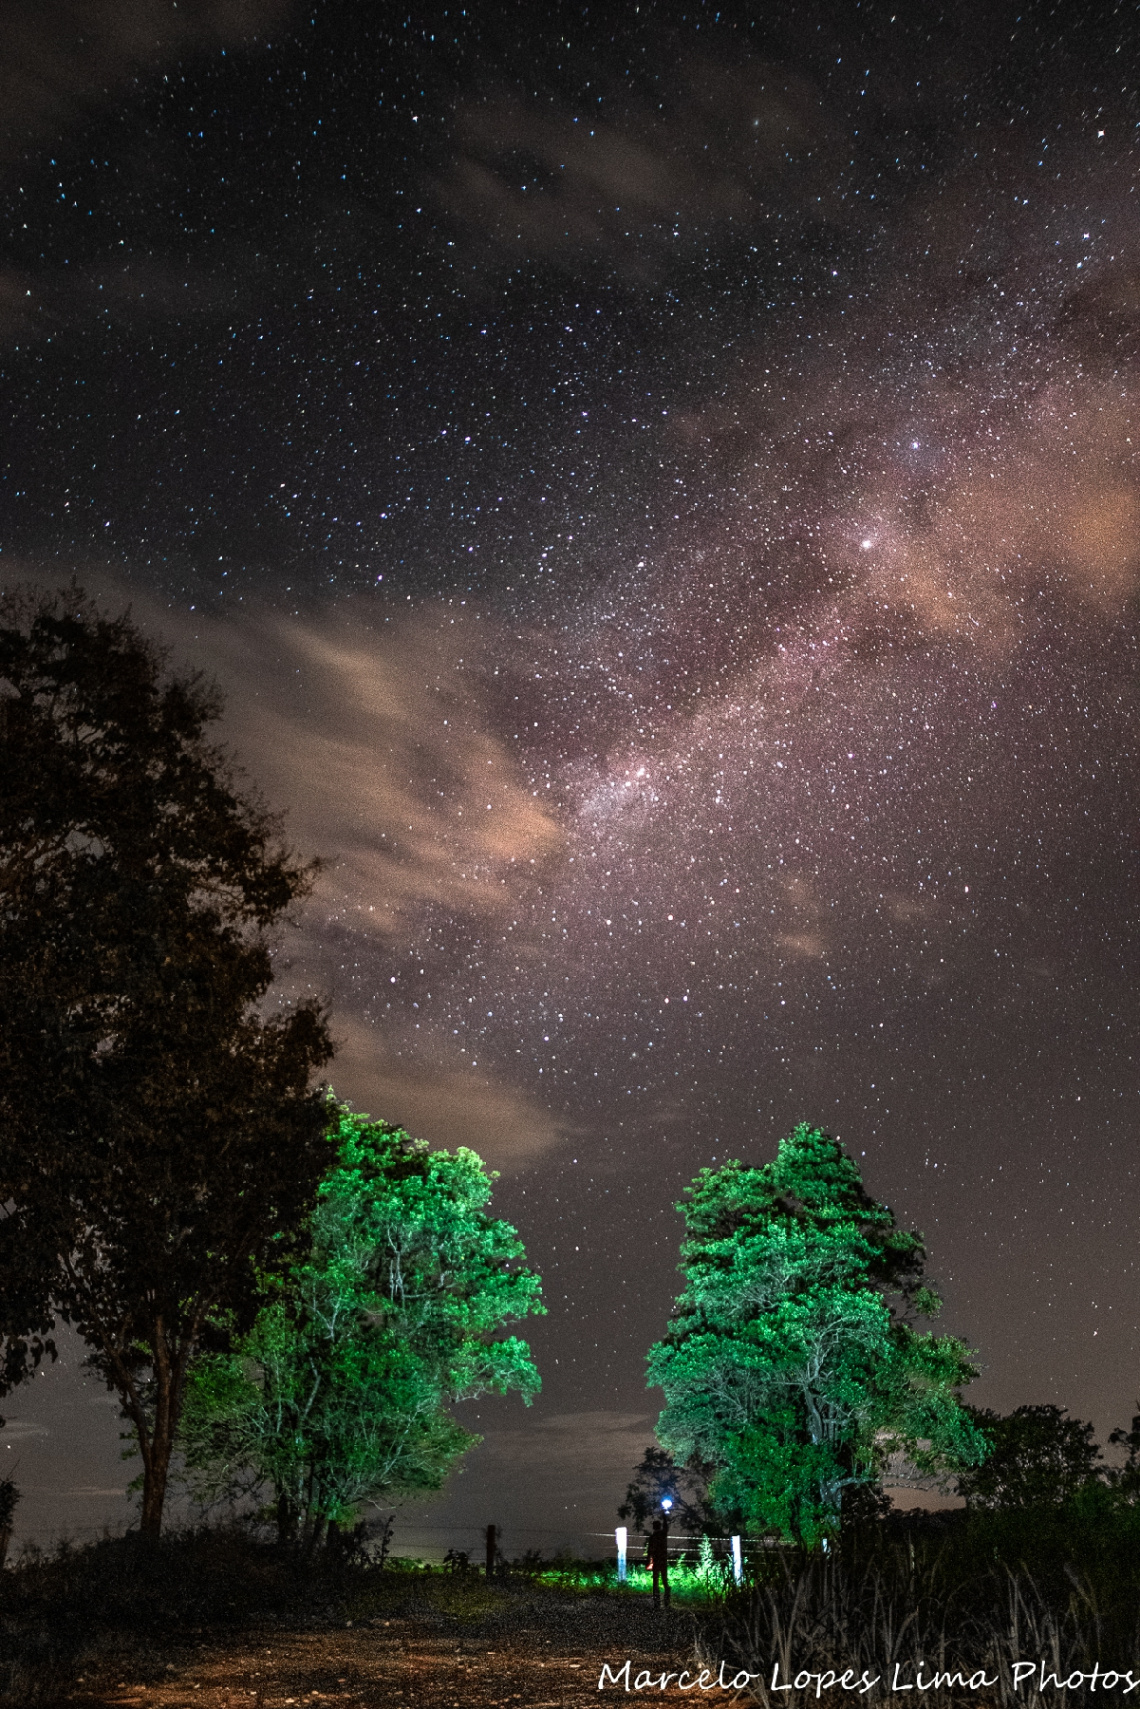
[{"x": 388, "y": 1664}]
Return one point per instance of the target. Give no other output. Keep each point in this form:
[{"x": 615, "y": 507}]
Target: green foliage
[
  {"x": 338, "y": 1395},
  {"x": 158, "y": 1136},
  {"x": 789, "y": 1364},
  {"x": 714, "y": 1575},
  {"x": 1038, "y": 1457}
]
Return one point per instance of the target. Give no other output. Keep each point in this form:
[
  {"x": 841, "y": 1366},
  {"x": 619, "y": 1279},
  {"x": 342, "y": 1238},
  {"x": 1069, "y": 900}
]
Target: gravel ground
[{"x": 542, "y": 1654}]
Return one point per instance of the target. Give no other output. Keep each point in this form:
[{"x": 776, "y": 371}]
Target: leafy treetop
[
  {"x": 811, "y": 1183},
  {"x": 789, "y": 1366},
  {"x": 1038, "y": 1457}
]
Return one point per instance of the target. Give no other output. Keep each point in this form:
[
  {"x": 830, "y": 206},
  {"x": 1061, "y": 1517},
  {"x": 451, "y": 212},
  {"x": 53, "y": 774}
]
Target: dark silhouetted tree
[
  {"x": 1125, "y": 1479},
  {"x": 659, "y": 1475},
  {"x": 1038, "y": 1457},
  {"x": 158, "y": 1134}
]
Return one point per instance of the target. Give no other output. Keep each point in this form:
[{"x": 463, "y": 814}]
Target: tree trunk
[
  {"x": 168, "y": 1374},
  {"x": 154, "y": 1494},
  {"x": 315, "y": 1528},
  {"x": 286, "y": 1520}
]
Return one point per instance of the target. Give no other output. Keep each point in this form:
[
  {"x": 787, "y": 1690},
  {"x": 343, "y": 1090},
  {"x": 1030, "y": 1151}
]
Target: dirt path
[{"x": 388, "y": 1665}]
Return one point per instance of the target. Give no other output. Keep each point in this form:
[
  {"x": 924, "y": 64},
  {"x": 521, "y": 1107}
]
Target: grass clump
[{"x": 953, "y": 1605}]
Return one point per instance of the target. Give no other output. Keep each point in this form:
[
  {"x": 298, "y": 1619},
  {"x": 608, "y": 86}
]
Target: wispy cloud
[
  {"x": 65, "y": 59},
  {"x": 376, "y": 737},
  {"x": 634, "y": 183},
  {"x": 442, "y": 1102}
]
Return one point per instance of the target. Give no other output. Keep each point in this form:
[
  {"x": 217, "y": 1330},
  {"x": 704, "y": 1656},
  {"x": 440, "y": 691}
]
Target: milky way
[{"x": 662, "y": 502}]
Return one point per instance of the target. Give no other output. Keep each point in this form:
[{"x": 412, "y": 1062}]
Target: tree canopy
[
  {"x": 339, "y": 1395},
  {"x": 1038, "y": 1457},
  {"x": 1126, "y": 1478},
  {"x": 790, "y": 1364},
  {"x": 158, "y": 1133}
]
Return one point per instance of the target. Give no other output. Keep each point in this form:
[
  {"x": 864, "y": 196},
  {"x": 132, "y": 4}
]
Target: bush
[{"x": 131, "y": 1601}]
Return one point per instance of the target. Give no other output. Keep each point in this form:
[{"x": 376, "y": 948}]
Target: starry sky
[{"x": 659, "y": 486}]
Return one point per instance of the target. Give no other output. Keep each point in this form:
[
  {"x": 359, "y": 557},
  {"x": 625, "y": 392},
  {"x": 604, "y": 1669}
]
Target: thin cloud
[
  {"x": 635, "y": 184},
  {"x": 377, "y": 742},
  {"x": 66, "y": 59},
  {"x": 442, "y": 1103}
]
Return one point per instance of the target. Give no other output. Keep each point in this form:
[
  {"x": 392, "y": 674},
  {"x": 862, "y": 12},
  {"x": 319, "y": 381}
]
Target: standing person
[{"x": 657, "y": 1559}]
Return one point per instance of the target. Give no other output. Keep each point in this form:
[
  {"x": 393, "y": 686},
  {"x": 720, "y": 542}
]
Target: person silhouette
[{"x": 657, "y": 1560}]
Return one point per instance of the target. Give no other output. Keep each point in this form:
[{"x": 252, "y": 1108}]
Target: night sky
[{"x": 659, "y": 487}]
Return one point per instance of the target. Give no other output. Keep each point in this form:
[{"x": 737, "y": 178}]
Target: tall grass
[{"x": 957, "y": 1607}]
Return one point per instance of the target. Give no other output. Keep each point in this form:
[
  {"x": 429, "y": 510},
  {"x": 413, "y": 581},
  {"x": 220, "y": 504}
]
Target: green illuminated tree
[
  {"x": 790, "y": 1364},
  {"x": 158, "y": 1134},
  {"x": 339, "y": 1395}
]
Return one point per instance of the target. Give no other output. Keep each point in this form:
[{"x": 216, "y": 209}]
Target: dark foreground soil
[
  {"x": 216, "y": 1619},
  {"x": 391, "y": 1667},
  {"x": 540, "y": 1652}
]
